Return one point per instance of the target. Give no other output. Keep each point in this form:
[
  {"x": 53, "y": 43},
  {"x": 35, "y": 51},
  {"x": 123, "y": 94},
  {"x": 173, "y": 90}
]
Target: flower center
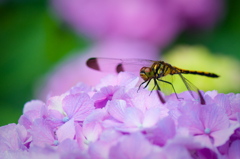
[
  {"x": 207, "y": 130},
  {"x": 65, "y": 119},
  {"x": 55, "y": 142}
]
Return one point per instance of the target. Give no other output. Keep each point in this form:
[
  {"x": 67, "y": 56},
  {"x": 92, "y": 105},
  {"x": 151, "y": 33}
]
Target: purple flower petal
[
  {"x": 163, "y": 131},
  {"x": 116, "y": 109},
  {"x": 129, "y": 145},
  {"x": 78, "y": 106},
  {"x": 222, "y": 136},
  {"x": 234, "y": 150},
  {"x": 33, "y": 105},
  {"x": 133, "y": 117},
  {"x": 66, "y": 131},
  {"x": 42, "y": 133}
]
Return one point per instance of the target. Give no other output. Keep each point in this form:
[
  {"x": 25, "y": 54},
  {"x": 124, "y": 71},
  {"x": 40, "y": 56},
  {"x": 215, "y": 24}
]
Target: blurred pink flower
[
  {"x": 148, "y": 20},
  {"x": 200, "y": 13},
  {"x": 74, "y": 69},
  {"x": 154, "y": 21},
  {"x": 128, "y": 125}
]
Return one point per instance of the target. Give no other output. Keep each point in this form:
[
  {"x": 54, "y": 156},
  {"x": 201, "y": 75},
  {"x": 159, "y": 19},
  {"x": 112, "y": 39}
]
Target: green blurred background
[{"x": 32, "y": 42}]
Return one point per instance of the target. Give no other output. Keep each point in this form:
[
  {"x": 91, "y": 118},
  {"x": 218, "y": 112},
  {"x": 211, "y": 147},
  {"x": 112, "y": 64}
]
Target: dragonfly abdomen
[{"x": 208, "y": 74}]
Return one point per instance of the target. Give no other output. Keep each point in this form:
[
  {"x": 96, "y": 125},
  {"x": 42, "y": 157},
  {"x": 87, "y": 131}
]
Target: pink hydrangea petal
[
  {"x": 10, "y": 136},
  {"x": 151, "y": 117},
  {"x": 92, "y": 131},
  {"x": 98, "y": 115},
  {"x": 133, "y": 117},
  {"x": 214, "y": 117},
  {"x": 56, "y": 103},
  {"x": 66, "y": 131},
  {"x": 116, "y": 109},
  {"x": 99, "y": 149},
  {"x": 205, "y": 140},
  {"x": 33, "y": 105},
  {"x": 176, "y": 151},
  {"x": 129, "y": 145},
  {"x": 81, "y": 140},
  {"x": 15, "y": 154},
  {"x": 46, "y": 152},
  {"x": 80, "y": 88},
  {"x": 22, "y": 133},
  {"x": 234, "y": 152},
  {"x": 78, "y": 106},
  {"x": 68, "y": 146},
  {"x": 28, "y": 118},
  {"x": 192, "y": 122},
  {"x": 222, "y": 136},
  {"x": 212, "y": 94},
  {"x": 128, "y": 80},
  {"x": 223, "y": 101},
  {"x": 163, "y": 131},
  {"x": 42, "y": 133},
  {"x": 110, "y": 135},
  {"x": 55, "y": 118}
]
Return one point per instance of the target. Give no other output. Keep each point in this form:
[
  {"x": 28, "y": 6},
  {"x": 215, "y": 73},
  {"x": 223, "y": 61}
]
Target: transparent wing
[
  {"x": 192, "y": 89},
  {"x": 118, "y": 65}
]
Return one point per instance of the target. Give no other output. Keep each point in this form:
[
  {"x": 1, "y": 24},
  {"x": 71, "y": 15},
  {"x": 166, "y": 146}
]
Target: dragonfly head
[{"x": 146, "y": 73}]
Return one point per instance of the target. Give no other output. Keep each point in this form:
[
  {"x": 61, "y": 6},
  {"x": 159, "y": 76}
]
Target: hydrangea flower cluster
[{"x": 113, "y": 120}]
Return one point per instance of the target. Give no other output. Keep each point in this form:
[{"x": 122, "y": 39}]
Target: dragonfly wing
[
  {"x": 118, "y": 65},
  {"x": 193, "y": 90}
]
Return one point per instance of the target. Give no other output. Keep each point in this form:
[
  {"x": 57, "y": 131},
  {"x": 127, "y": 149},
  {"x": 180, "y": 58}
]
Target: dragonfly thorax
[{"x": 146, "y": 73}]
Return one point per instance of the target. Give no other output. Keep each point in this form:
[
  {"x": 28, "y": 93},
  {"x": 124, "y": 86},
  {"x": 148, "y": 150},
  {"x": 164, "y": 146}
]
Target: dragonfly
[{"x": 150, "y": 70}]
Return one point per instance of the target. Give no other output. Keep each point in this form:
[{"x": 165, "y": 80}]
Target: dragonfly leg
[
  {"x": 155, "y": 83},
  {"x": 142, "y": 84},
  {"x": 159, "y": 94},
  {"x": 172, "y": 87}
]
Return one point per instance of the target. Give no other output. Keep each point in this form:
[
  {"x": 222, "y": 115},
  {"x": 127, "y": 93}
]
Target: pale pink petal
[
  {"x": 28, "y": 118},
  {"x": 204, "y": 140},
  {"x": 9, "y": 135},
  {"x": 116, "y": 109},
  {"x": 56, "y": 103},
  {"x": 214, "y": 117},
  {"x": 128, "y": 147},
  {"x": 223, "y": 101},
  {"x": 42, "y": 133},
  {"x": 78, "y": 106},
  {"x": 55, "y": 118},
  {"x": 110, "y": 135},
  {"x": 80, "y": 88},
  {"x": 33, "y": 105},
  {"x": 151, "y": 117},
  {"x": 222, "y": 136},
  {"x": 47, "y": 152},
  {"x": 164, "y": 130},
  {"x": 173, "y": 151},
  {"x": 66, "y": 131},
  {"x": 15, "y": 154},
  {"x": 22, "y": 133},
  {"x": 234, "y": 152},
  {"x": 92, "y": 131},
  {"x": 81, "y": 140},
  {"x": 133, "y": 117},
  {"x": 191, "y": 120},
  {"x": 212, "y": 94},
  {"x": 97, "y": 115},
  {"x": 68, "y": 146},
  {"x": 127, "y": 79},
  {"x": 99, "y": 149}
]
